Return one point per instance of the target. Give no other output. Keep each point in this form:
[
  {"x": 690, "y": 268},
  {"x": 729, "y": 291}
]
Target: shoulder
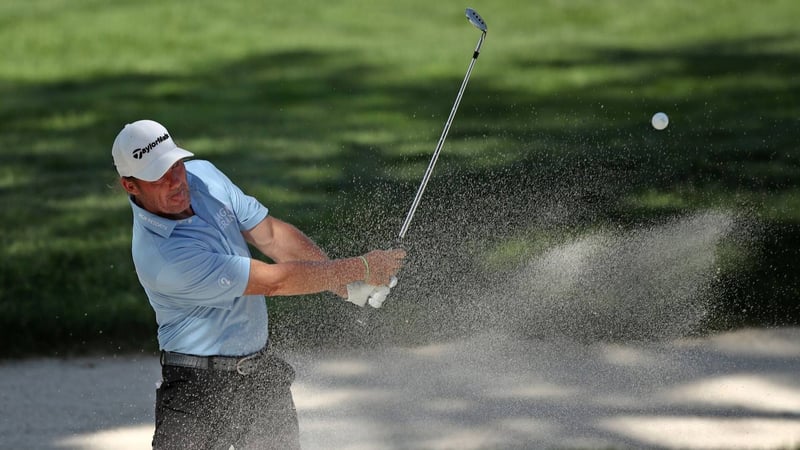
[
  {"x": 202, "y": 168},
  {"x": 205, "y": 176},
  {"x": 199, "y": 170}
]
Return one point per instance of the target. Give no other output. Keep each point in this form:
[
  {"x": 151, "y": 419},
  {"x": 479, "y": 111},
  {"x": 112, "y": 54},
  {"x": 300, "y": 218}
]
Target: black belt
[{"x": 243, "y": 365}]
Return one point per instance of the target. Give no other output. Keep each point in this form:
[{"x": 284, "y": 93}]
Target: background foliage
[{"x": 328, "y": 112}]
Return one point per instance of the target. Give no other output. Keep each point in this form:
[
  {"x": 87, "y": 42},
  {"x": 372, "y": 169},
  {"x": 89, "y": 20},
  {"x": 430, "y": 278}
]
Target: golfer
[{"x": 221, "y": 386}]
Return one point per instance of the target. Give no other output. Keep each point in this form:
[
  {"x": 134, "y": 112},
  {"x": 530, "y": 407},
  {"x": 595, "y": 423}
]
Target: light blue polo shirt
[{"x": 195, "y": 270}]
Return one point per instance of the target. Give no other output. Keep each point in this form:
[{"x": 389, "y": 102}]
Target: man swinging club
[{"x": 221, "y": 386}]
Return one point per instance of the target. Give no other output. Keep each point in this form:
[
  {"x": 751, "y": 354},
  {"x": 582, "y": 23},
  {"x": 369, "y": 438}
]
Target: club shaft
[{"x": 440, "y": 144}]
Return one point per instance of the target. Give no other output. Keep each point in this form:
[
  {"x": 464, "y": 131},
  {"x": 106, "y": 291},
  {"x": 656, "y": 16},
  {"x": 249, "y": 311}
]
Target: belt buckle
[{"x": 246, "y": 369}]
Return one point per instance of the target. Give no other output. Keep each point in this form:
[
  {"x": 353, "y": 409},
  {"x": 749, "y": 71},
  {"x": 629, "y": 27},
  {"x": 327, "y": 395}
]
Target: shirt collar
[{"x": 153, "y": 222}]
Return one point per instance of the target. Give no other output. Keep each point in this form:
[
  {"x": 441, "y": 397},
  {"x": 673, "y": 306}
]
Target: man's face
[{"x": 167, "y": 197}]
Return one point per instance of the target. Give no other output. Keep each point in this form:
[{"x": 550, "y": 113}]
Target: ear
[{"x": 130, "y": 186}]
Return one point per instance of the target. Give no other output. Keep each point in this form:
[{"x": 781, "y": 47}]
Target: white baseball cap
[{"x": 145, "y": 150}]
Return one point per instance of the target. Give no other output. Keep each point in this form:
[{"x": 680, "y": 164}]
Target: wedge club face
[{"x": 476, "y": 19}]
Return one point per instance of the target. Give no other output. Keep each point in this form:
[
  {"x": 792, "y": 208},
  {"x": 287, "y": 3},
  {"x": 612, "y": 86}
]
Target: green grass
[{"x": 326, "y": 109}]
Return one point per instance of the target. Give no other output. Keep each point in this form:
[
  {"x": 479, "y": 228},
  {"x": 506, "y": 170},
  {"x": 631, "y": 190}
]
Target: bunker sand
[{"x": 732, "y": 390}]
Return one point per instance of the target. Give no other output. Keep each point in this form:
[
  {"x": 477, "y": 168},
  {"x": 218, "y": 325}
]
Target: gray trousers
[{"x": 214, "y": 409}]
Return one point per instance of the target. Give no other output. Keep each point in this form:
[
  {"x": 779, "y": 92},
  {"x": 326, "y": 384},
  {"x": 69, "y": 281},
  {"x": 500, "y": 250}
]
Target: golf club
[
  {"x": 476, "y": 20},
  {"x": 376, "y": 300}
]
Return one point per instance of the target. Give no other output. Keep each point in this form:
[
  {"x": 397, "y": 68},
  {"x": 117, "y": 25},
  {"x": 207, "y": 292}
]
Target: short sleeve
[{"x": 247, "y": 209}]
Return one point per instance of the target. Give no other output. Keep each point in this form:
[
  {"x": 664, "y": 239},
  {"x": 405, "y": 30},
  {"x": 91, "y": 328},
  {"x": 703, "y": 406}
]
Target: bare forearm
[
  {"x": 303, "y": 268},
  {"x": 303, "y": 277}
]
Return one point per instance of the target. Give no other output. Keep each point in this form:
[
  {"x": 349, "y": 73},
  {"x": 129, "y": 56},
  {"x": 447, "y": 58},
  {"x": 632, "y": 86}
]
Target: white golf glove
[
  {"x": 380, "y": 293},
  {"x": 359, "y": 293}
]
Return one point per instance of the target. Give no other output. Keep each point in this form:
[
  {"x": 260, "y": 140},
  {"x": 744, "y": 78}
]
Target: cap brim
[{"x": 159, "y": 167}]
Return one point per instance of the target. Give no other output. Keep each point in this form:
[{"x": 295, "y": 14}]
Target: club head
[{"x": 476, "y": 19}]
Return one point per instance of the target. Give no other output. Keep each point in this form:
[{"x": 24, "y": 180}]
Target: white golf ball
[{"x": 659, "y": 121}]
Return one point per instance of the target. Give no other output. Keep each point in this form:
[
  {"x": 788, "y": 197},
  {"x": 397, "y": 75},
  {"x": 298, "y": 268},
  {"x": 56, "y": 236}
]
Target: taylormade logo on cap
[
  {"x": 139, "y": 152},
  {"x": 145, "y": 150}
]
